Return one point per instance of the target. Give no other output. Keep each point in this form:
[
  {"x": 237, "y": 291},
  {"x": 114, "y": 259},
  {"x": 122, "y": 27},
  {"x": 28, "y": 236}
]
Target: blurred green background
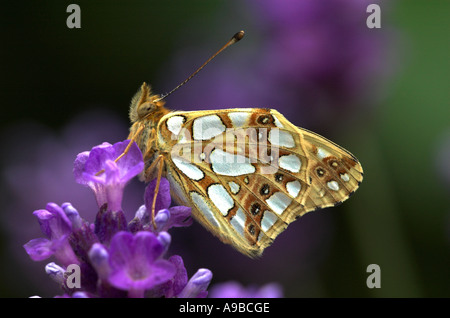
[{"x": 398, "y": 219}]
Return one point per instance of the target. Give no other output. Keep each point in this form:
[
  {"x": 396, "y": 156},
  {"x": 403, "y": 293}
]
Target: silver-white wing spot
[
  {"x": 277, "y": 122},
  {"x": 290, "y": 162},
  {"x": 293, "y": 188},
  {"x": 175, "y": 123},
  {"x": 207, "y": 127},
  {"x": 333, "y": 185},
  {"x": 190, "y": 170},
  {"x": 203, "y": 207},
  {"x": 281, "y": 138},
  {"x": 220, "y": 197},
  {"x": 238, "y": 118},
  {"x": 228, "y": 164},
  {"x": 322, "y": 153},
  {"x": 278, "y": 202},
  {"x": 238, "y": 222},
  {"x": 268, "y": 220},
  {"x": 234, "y": 187}
]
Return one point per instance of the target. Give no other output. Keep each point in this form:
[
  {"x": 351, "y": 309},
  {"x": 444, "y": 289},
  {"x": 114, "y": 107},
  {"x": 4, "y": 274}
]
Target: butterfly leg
[
  {"x": 158, "y": 163},
  {"x": 138, "y": 131}
]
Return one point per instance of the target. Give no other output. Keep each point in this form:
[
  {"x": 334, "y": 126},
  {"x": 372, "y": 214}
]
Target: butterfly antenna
[{"x": 238, "y": 36}]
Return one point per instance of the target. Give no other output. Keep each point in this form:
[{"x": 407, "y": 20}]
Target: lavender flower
[
  {"x": 116, "y": 259},
  {"x": 135, "y": 262},
  {"x": 108, "y": 186},
  {"x": 57, "y": 227},
  {"x": 41, "y": 172}
]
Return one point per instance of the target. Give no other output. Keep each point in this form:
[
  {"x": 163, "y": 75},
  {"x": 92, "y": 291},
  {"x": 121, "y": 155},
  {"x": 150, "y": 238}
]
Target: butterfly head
[{"x": 146, "y": 106}]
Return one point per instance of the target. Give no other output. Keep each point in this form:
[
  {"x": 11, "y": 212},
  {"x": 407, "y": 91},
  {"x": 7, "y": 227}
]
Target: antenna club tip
[{"x": 238, "y": 36}]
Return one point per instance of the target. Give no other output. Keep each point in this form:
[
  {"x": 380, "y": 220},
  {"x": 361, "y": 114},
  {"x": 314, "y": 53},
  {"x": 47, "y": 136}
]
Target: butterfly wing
[
  {"x": 336, "y": 174},
  {"x": 246, "y": 172}
]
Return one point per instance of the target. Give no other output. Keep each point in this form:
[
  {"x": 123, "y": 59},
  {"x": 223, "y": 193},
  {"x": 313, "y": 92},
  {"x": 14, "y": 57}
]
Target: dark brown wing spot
[{"x": 265, "y": 189}]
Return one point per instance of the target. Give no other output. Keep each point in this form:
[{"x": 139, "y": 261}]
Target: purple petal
[
  {"x": 132, "y": 163},
  {"x": 180, "y": 216},
  {"x": 72, "y": 215},
  {"x": 147, "y": 247},
  {"x": 162, "y": 218},
  {"x": 128, "y": 166},
  {"x": 89, "y": 162},
  {"x": 78, "y": 167},
  {"x": 56, "y": 272},
  {"x": 134, "y": 261},
  {"x": 165, "y": 239},
  {"x": 99, "y": 257},
  {"x": 179, "y": 280},
  {"x": 163, "y": 198},
  {"x": 44, "y": 217},
  {"x": 53, "y": 221},
  {"x": 197, "y": 285},
  {"x": 120, "y": 250},
  {"x": 97, "y": 156},
  {"x": 39, "y": 249}
]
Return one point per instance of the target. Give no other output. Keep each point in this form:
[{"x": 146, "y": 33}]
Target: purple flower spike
[
  {"x": 115, "y": 258},
  {"x": 108, "y": 186},
  {"x": 57, "y": 227},
  {"x": 135, "y": 263}
]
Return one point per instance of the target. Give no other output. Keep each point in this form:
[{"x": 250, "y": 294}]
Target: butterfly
[{"x": 247, "y": 173}]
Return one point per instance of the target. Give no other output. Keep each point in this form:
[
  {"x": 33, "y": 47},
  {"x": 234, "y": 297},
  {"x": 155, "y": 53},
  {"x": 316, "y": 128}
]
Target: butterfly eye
[{"x": 145, "y": 109}]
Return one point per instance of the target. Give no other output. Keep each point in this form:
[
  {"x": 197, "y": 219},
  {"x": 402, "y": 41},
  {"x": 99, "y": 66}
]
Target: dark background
[{"x": 399, "y": 219}]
